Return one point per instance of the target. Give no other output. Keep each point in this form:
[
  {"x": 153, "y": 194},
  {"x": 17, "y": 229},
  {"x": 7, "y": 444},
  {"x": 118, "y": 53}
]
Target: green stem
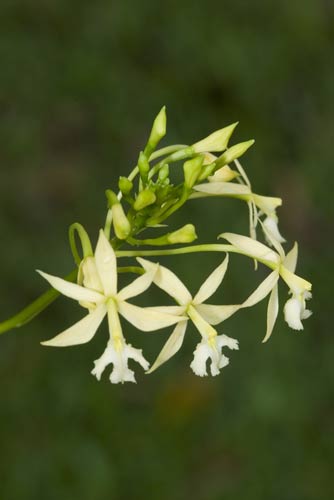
[
  {"x": 211, "y": 247},
  {"x": 29, "y": 312}
]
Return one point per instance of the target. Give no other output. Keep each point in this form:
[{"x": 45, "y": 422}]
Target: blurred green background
[{"x": 80, "y": 83}]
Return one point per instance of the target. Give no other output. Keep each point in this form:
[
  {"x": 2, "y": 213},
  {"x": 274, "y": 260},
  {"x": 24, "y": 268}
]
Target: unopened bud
[
  {"x": 224, "y": 174},
  {"x": 125, "y": 185},
  {"x": 122, "y": 226},
  {"x": 234, "y": 152},
  {"x": 143, "y": 166},
  {"x": 163, "y": 173},
  {"x": 192, "y": 169},
  {"x": 157, "y": 133},
  {"x": 217, "y": 141},
  {"x": 144, "y": 199},
  {"x": 185, "y": 234}
]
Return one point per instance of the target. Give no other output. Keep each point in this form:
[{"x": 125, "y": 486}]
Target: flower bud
[
  {"x": 217, "y": 141},
  {"x": 122, "y": 226},
  {"x": 185, "y": 234},
  {"x": 192, "y": 169},
  {"x": 143, "y": 166},
  {"x": 144, "y": 199},
  {"x": 163, "y": 174},
  {"x": 224, "y": 174},
  {"x": 234, "y": 152},
  {"x": 157, "y": 133},
  {"x": 125, "y": 185}
]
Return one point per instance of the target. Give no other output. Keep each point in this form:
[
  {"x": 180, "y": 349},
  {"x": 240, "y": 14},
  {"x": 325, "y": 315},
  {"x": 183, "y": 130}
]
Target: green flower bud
[
  {"x": 233, "y": 153},
  {"x": 224, "y": 174},
  {"x": 163, "y": 173},
  {"x": 217, "y": 141},
  {"x": 144, "y": 199},
  {"x": 125, "y": 185},
  {"x": 185, "y": 234},
  {"x": 157, "y": 133},
  {"x": 111, "y": 197},
  {"x": 122, "y": 226},
  {"x": 144, "y": 166},
  {"x": 192, "y": 169}
]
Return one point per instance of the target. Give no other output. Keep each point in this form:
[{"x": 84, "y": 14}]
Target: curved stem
[{"x": 29, "y": 312}]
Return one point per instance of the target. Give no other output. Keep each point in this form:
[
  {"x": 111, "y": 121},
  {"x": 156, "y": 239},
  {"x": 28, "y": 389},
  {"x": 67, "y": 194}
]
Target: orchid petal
[
  {"x": 172, "y": 346},
  {"x": 262, "y": 290},
  {"x": 169, "y": 282},
  {"x": 145, "y": 319},
  {"x": 138, "y": 286},
  {"x": 81, "y": 332},
  {"x": 216, "y": 314},
  {"x": 290, "y": 261},
  {"x": 211, "y": 284},
  {"x": 251, "y": 247},
  {"x": 272, "y": 240},
  {"x": 175, "y": 310},
  {"x": 106, "y": 265},
  {"x": 223, "y": 188},
  {"x": 72, "y": 290},
  {"x": 272, "y": 312}
]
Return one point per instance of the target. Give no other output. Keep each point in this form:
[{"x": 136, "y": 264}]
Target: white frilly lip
[
  {"x": 204, "y": 351},
  {"x": 119, "y": 359}
]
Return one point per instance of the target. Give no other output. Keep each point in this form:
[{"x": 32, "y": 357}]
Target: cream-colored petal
[
  {"x": 290, "y": 261},
  {"x": 295, "y": 283},
  {"x": 211, "y": 284},
  {"x": 106, "y": 265},
  {"x": 138, "y": 286},
  {"x": 172, "y": 346},
  {"x": 262, "y": 290},
  {"x": 216, "y": 314},
  {"x": 223, "y": 189},
  {"x": 272, "y": 312},
  {"x": 72, "y": 290},
  {"x": 274, "y": 242},
  {"x": 81, "y": 332},
  {"x": 145, "y": 319},
  {"x": 168, "y": 281},
  {"x": 251, "y": 247},
  {"x": 175, "y": 310}
]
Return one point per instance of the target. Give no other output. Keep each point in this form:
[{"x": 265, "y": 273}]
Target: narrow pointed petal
[
  {"x": 106, "y": 265},
  {"x": 251, "y": 247},
  {"x": 145, "y": 319},
  {"x": 138, "y": 286},
  {"x": 272, "y": 312},
  {"x": 81, "y": 332},
  {"x": 223, "y": 189},
  {"x": 273, "y": 241},
  {"x": 172, "y": 346},
  {"x": 168, "y": 281},
  {"x": 262, "y": 290},
  {"x": 295, "y": 283},
  {"x": 175, "y": 310},
  {"x": 211, "y": 284},
  {"x": 216, "y": 314},
  {"x": 72, "y": 290},
  {"x": 290, "y": 261}
]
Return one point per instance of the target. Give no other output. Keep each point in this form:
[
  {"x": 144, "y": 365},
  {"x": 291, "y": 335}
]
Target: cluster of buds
[{"x": 146, "y": 199}]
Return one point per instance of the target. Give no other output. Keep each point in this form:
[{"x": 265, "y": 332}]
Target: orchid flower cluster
[{"x": 145, "y": 200}]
